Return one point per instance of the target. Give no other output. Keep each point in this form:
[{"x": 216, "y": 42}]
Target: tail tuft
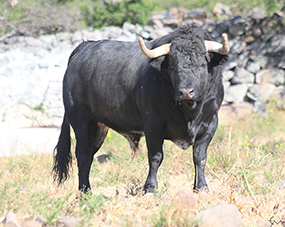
[{"x": 62, "y": 154}]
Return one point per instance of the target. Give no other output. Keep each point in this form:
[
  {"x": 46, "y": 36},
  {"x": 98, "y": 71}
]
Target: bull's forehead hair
[
  {"x": 188, "y": 30},
  {"x": 190, "y": 51},
  {"x": 189, "y": 39}
]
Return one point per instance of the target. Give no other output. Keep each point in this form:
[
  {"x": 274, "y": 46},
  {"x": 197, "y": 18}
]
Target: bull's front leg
[
  {"x": 200, "y": 155},
  {"x": 154, "y": 141}
]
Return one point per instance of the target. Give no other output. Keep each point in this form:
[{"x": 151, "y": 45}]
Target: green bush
[{"x": 132, "y": 11}]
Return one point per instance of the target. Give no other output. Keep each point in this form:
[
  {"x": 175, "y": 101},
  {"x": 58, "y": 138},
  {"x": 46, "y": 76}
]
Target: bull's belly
[{"x": 183, "y": 144}]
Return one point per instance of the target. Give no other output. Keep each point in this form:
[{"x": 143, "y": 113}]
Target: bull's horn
[
  {"x": 212, "y": 46},
  {"x": 155, "y": 53}
]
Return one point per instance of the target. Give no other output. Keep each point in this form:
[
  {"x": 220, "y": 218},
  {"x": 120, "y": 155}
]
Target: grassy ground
[{"x": 245, "y": 163}]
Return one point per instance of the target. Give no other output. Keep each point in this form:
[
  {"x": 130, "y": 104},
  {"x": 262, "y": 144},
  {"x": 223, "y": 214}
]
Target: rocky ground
[{"x": 221, "y": 215}]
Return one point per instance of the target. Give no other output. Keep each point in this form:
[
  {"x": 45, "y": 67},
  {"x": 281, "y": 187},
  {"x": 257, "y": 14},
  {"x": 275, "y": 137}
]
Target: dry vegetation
[{"x": 245, "y": 167}]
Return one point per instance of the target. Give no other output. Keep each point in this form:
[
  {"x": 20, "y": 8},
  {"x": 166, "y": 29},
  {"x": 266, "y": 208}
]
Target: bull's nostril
[{"x": 191, "y": 93}]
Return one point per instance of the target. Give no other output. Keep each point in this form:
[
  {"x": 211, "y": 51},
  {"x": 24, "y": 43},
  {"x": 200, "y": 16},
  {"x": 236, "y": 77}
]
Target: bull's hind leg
[
  {"x": 90, "y": 136},
  {"x": 154, "y": 139}
]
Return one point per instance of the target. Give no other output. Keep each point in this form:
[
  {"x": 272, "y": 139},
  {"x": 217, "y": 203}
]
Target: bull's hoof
[
  {"x": 150, "y": 189},
  {"x": 202, "y": 189}
]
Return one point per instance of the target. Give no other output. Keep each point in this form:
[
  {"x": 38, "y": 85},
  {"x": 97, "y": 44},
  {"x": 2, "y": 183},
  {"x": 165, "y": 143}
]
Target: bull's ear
[
  {"x": 157, "y": 62},
  {"x": 218, "y": 59}
]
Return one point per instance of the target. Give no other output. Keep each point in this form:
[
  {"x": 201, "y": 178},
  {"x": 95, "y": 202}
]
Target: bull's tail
[{"x": 62, "y": 153}]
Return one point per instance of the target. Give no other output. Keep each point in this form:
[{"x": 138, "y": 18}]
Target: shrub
[{"x": 132, "y": 11}]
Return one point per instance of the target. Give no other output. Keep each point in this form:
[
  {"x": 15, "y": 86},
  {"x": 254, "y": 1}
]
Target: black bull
[{"x": 112, "y": 84}]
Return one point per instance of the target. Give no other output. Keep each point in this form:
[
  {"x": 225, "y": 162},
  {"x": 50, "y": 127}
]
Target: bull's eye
[
  {"x": 172, "y": 67},
  {"x": 203, "y": 65}
]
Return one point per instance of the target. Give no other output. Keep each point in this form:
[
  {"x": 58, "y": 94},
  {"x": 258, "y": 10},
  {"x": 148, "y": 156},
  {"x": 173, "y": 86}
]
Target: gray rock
[
  {"x": 113, "y": 31},
  {"x": 271, "y": 26},
  {"x": 42, "y": 220},
  {"x": 236, "y": 93},
  {"x": 198, "y": 13},
  {"x": 195, "y": 22},
  {"x": 242, "y": 59},
  {"x": 145, "y": 34},
  {"x": 253, "y": 67},
  {"x": 228, "y": 75},
  {"x": 129, "y": 27},
  {"x": 50, "y": 41},
  {"x": 31, "y": 41},
  {"x": 68, "y": 222},
  {"x": 92, "y": 35},
  {"x": 227, "y": 85},
  {"x": 102, "y": 158},
  {"x": 131, "y": 38},
  {"x": 281, "y": 64},
  {"x": 221, "y": 215},
  {"x": 160, "y": 32},
  {"x": 257, "y": 13},
  {"x": 273, "y": 76},
  {"x": 237, "y": 46},
  {"x": 261, "y": 60},
  {"x": 242, "y": 76},
  {"x": 172, "y": 22},
  {"x": 77, "y": 37},
  {"x": 63, "y": 36},
  {"x": 249, "y": 39},
  {"x": 256, "y": 31},
  {"x": 230, "y": 65},
  {"x": 11, "y": 219},
  {"x": 277, "y": 44},
  {"x": 31, "y": 224},
  {"x": 237, "y": 26},
  {"x": 222, "y": 26},
  {"x": 261, "y": 92},
  {"x": 156, "y": 23},
  {"x": 186, "y": 199}
]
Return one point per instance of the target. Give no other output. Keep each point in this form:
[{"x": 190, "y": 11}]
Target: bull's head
[{"x": 188, "y": 63}]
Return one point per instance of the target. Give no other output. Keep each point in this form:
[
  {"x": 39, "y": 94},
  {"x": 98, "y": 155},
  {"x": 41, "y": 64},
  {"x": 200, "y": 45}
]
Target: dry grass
[{"x": 245, "y": 163}]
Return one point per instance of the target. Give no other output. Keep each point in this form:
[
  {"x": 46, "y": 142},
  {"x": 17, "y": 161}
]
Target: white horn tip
[{"x": 225, "y": 43}]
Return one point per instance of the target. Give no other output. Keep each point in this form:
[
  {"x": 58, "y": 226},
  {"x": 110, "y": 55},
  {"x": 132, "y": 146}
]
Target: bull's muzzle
[
  {"x": 187, "y": 97},
  {"x": 187, "y": 94}
]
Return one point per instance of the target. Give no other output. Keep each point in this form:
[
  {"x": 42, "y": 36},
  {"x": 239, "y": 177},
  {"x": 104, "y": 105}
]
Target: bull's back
[{"x": 104, "y": 76}]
